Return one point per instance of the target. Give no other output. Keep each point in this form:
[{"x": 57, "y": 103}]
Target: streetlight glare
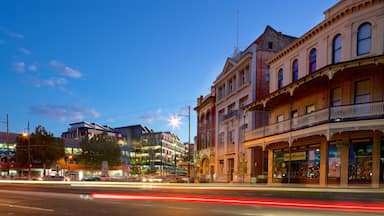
[
  {"x": 25, "y": 134},
  {"x": 174, "y": 121}
]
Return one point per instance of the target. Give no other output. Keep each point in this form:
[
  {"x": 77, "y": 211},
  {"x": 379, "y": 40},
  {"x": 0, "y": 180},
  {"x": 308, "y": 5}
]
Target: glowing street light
[{"x": 174, "y": 121}]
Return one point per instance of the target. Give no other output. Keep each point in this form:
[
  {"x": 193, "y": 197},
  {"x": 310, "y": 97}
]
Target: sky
[{"x": 126, "y": 62}]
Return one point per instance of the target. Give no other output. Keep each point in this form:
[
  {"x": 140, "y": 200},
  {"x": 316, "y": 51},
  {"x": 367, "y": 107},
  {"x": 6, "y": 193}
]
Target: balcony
[
  {"x": 231, "y": 114},
  {"x": 345, "y": 113}
]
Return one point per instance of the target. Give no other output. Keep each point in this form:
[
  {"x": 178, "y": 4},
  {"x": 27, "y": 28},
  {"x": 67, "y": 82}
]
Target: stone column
[
  {"x": 344, "y": 150},
  {"x": 270, "y": 166},
  {"x": 376, "y": 145},
  {"x": 323, "y": 162}
]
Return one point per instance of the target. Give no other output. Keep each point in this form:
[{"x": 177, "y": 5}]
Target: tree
[
  {"x": 44, "y": 148},
  {"x": 100, "y": 148}
]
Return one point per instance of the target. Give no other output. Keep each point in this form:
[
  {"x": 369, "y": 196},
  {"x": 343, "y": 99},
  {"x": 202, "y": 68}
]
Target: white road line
[
  {"x": 178, "y": 208},
  {"x": 142, "y": 205},
  {"x": 27, "y": 207}
]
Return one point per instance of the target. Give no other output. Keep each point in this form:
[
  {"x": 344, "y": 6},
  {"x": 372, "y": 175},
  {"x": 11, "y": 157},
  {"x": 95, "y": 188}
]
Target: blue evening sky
[{"x": 122, "y": 62}]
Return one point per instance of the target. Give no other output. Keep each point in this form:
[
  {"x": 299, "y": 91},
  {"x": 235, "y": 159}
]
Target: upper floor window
[
  {"x": 362, "y": 91},
  {"x": 267, "y": 74},
  {"x": 231, "y": 84},
  {"x": 364, "y": 34},
  {"x": 270, "y": 45},
  {"x": 280, "y": 78},
  {"x": 295, "y": 70},
  {"x": 312, "y": 60},
  {"x": 336, "y": 49},
  {"x": 242, "y": 78},
  {"x": 336, "y": 96}
]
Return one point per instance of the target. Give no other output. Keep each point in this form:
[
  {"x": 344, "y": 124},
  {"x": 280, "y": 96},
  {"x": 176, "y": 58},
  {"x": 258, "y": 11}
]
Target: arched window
[
  {"x": 364, "y": 34},
  {"x": 280, "y": 78},
  {"x": 336, "y": 49},
  {"x": 295, "y": 70},
  {"x": 312, "y": 60}
]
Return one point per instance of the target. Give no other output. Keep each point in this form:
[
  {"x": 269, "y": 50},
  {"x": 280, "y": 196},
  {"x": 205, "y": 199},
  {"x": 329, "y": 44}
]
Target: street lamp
[
  {"x": 175, "y": 122},
  {"x": 26, "y": 134}
]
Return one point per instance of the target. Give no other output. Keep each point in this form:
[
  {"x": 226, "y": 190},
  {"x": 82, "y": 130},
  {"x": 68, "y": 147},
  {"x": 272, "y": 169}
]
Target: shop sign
[{"x": 295, "y": 156}]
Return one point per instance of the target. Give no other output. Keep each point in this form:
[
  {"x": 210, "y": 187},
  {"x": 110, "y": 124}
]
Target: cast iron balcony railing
[
  {"x": 374, "y": 110},
  {"x": 231, "y": 114}
]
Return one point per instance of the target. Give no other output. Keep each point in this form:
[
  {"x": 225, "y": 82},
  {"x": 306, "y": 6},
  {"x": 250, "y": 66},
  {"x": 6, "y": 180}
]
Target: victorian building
[
  {"x": 242, "y": 80},
  {"x": 324, "y": 114}
]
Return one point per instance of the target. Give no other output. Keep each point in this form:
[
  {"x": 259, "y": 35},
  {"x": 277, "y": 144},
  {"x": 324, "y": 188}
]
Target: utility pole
[
  {"x": 29, "y": 153},
  {"x": 189, "y": 142},
  {"x": 7, "y": 140}
]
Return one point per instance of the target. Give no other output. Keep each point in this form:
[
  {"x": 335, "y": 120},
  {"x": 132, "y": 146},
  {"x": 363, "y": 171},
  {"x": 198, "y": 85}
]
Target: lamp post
[
  {"x": 28, "y": 151},
  {"x": 175, "y": 122}
]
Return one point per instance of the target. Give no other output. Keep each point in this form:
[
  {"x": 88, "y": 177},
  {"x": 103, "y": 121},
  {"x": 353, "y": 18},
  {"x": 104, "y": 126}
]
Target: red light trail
[{"x": 281, "y": 203}]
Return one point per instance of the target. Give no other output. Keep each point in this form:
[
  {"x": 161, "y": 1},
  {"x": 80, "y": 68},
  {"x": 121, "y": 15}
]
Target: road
[{"x": 168, "y": 200}]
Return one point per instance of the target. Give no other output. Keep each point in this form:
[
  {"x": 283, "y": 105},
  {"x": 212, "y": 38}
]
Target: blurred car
[
  {"x": 55, "y": 178},
  {"x": 91, "y": 178}
]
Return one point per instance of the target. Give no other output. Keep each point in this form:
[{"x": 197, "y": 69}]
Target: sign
[{"x": 295, "y": 156}]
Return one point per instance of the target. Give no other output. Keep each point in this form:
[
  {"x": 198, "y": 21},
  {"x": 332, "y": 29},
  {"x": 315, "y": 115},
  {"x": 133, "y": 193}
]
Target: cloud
[
  {"x": 25, "y": 51},
  {"x": 11, "y": 33},
  {"x": 63, "y": 112},
  {"x": 18, "y": 67},
  {"x": 52, "y": 82},
  {"x": 32, "y": 67},
  {"x": 62, "y": 69},
  {"x": 151, "y": 117}
]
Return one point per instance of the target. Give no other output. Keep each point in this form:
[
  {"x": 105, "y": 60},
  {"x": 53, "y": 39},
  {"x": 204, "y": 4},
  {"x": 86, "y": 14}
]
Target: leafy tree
[
  {"x": 100, "y": 148},
  {"x": 44, "y": 148}
]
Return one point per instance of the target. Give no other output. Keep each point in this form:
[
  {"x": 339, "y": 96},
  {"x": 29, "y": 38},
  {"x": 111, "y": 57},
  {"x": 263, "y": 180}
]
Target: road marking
[
  {"x": 27, "y": 207},
  {"x": 178, "y": 208},
  {"x": 143, "y": 205}
]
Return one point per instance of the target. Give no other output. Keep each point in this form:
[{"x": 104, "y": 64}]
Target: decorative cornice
[{"x": 353, "y": 8}]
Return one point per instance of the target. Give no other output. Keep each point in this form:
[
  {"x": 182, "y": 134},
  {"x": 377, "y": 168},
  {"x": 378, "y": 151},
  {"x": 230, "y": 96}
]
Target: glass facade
[
  {"x": 300, "y": 165},
  {"x": 360, "y": 162},
  {"x": 334, "y": 164}
]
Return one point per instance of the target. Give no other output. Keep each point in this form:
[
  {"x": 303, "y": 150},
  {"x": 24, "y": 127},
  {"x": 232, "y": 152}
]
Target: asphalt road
[{"x": 33, "y": 200}]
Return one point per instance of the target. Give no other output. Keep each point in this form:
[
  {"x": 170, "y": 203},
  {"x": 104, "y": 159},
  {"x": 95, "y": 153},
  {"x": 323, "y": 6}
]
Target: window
[
  {"x": 221, "y": 115},
  {"x": 336, "y": 49},
  {"x": 242, "y": 78},
  {"x": 270, "y": 45},
  {"x": 364, "y": 34},
  {"x": 310, "y": 108},
  {"x": 231, "y": 137},
  {"x": 312, "y": 60},
  {"x": 336, "y": 97},
  {"x": 267, "y": 75},
  {"x": 294, "y": 115},
  {"x": 280, "y": 78},
  {"x": 280, "y": 118},
  {"x": 243, "y": 102},
  {"x": 231, "y": 84},
  {"x": 221, "y": 139},
  {"x": 362, "y": 93},
  {"x": 231, "y": 107},
  {"x": 295, "y": 70}
]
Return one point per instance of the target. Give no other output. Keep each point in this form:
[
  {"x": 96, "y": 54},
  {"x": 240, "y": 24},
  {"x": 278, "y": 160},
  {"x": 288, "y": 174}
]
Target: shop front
[{"x": 297, "y": 164}]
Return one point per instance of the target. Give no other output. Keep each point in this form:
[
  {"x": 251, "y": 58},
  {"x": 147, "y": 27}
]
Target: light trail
[{"x": 280, "y": 203}]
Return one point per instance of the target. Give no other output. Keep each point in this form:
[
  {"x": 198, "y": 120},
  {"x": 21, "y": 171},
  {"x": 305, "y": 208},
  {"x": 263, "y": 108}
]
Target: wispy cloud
[
  {"x": 18, "y": 67},
  {"x": 152, "y": 117},
  {"x": 32, "y": 67},
  {"x": 52, "y": 82},
  {"x": 63, "y": 69},
  {"x": 63, "y": 112},
  {"x": 25, "y": 51},
  {"x": 11, "y": 33}
]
